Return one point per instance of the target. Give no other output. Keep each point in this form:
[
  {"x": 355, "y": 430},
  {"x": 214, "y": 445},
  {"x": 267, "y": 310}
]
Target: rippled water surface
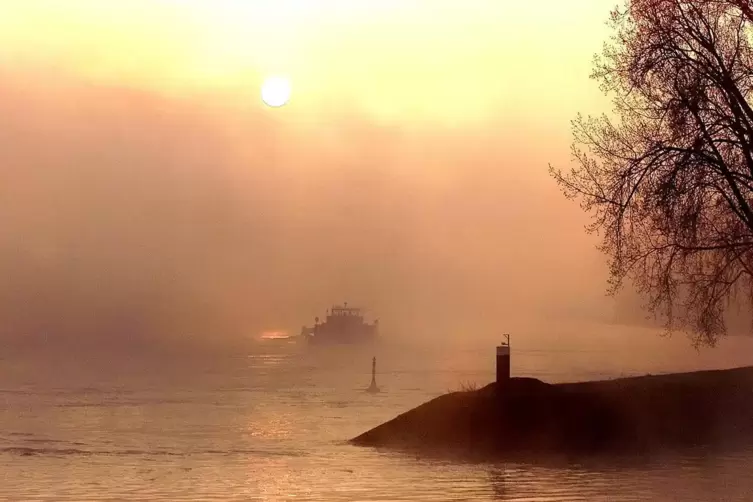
[{"x": 271, "y": 426}]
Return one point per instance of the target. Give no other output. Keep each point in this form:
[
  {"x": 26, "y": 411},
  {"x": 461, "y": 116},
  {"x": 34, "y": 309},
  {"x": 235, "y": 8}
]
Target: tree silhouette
[{"x": 668, "y": 178}]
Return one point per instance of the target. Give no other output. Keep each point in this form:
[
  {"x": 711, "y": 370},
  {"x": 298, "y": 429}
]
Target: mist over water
[{"x": 144, "y": 221}]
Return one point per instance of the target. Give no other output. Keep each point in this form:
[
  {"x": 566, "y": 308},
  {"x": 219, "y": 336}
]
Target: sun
[{"x": 275, "y": 91}]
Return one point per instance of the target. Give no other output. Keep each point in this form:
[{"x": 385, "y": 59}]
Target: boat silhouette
[{"x": 342, "y": 325}]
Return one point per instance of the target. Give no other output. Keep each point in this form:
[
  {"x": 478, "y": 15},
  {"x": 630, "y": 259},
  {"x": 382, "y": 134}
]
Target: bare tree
[{"x": 669, "y": 179}]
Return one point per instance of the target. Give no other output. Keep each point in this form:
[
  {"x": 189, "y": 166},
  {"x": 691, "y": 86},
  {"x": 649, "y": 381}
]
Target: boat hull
[{"x": 320, "y": 337}]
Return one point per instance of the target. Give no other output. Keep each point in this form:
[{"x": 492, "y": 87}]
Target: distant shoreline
[{"x": 527, "y": 417}]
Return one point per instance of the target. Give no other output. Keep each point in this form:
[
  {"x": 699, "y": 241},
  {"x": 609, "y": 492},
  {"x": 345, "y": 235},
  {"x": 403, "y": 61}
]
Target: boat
[{"x": 342, "y": 324}]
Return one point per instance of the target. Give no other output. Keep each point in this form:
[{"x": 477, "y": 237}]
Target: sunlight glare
[{"x": 275, "y": 91}]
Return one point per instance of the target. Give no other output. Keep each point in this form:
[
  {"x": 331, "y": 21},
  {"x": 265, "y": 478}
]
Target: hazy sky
[{"x": 148, "y": 194}]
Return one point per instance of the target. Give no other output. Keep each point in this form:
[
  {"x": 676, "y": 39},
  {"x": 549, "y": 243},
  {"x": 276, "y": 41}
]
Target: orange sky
[
  {"x": 407, "y": 60},
  {"x": 407, "y": 173}
]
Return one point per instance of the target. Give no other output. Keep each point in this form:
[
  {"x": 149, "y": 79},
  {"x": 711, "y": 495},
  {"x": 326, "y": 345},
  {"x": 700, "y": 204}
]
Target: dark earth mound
[{"x": 528, "y": 417}]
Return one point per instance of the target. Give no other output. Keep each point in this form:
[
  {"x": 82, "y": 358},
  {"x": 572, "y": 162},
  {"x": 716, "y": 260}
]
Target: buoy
[{"x": 373, "y": 387}]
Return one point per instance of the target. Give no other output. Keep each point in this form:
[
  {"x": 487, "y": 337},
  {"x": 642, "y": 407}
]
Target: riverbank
[{"x": 628, "y": 415}]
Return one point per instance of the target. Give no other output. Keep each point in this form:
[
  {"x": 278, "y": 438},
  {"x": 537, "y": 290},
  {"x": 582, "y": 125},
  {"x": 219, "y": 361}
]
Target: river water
[{"x": 271, "y": 425}]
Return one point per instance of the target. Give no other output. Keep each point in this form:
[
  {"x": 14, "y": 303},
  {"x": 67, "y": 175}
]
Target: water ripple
[{"x": 274, "y": 428}]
